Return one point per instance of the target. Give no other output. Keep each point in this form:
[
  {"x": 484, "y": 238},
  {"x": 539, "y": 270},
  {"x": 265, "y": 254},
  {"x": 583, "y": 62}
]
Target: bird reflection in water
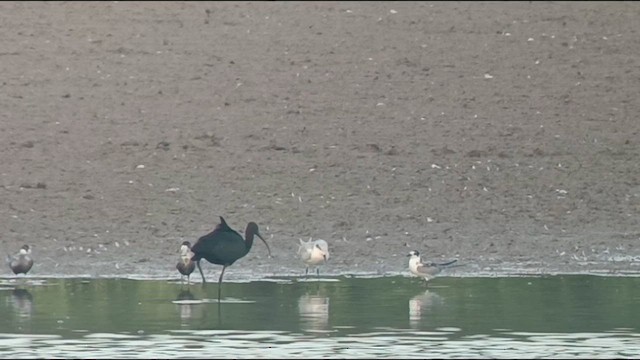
[
  {"x": 185, "y": 304},
  {"x": 421, "y": 304},
  {"x": 22, "y": 302},
  {"x": 314, "y": 311}
]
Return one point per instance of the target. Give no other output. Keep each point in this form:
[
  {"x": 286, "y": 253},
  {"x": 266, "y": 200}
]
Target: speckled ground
[{"x": 502, "y": 134}]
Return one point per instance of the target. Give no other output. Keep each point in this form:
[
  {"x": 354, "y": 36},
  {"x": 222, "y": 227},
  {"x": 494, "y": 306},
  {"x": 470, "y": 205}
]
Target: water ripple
[{"x": 268, "y": 344}]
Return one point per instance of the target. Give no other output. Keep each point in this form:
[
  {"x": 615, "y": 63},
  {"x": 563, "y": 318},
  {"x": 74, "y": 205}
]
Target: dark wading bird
[
  {"x": 223, "y": 246},
  {"x": 185, "y": 266},
  {"x": 22, "y": 261}
]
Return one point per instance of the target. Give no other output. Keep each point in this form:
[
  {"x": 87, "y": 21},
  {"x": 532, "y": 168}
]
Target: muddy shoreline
[{"x": 501, "y": 134}]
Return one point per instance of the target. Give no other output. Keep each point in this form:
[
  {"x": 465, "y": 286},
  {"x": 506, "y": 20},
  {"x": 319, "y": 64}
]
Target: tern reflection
[
  {"x": 421, "y": 304},
  {"x": 314, "y": 311},
  {"x": 22, "y": 303}
]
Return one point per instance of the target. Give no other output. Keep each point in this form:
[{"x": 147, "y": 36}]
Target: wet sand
[{"x": 501, "y": 134}]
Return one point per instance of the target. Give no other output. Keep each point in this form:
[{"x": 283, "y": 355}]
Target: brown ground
[{"x": 504, "y": 134}]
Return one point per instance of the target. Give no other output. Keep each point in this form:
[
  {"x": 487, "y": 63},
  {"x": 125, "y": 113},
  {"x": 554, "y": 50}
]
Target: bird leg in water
[
  {"x": 220, "y": 282},
  {"x": 306, "y": 271},
  {"x": 201, "y": 274}
]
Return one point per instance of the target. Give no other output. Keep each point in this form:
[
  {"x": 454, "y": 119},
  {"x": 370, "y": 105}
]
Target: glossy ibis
[
  {"x": 185, "y": 266},
  {"x": 22, "y": 261},
  {"x": 313, "y": 253},
  {"x": 427, "y": 270},
  {"x": 223, "y": 246}
]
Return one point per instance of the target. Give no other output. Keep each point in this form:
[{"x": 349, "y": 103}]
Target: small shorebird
[
  {"x": 427, "y": 270},
  {"x": 22, "y": 261},
  {"x": 313, "y": 253},
  {"x": 185, "y": 266}
]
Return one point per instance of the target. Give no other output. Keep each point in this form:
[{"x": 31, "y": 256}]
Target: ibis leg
[
  {"x": 201, "y": 273},
  {"x": 220, "y": 282}
]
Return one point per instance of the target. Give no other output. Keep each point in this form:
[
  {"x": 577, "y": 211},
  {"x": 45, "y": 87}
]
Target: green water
[{"x": 559, "y": 316}]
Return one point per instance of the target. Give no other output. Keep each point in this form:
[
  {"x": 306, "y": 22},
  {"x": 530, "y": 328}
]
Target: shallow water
[{"x": 557, "y": 316}]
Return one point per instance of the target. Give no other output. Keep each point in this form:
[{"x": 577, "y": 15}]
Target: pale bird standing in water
[
  {"x": 22, "y": 261},
  {"x": 427, "y": 270},
  {"x": 313, "y": 253},
  {"x": 185, "y": 266}
]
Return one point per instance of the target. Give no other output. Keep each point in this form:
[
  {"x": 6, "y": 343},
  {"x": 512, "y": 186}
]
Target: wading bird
[
  {"x": 313, "y": 253},
  {"x": 223, "y": 246},
  {"x": 185, "y": 266},
  {"x": 22, "y": 261},
  {"x": 427, "y": 270}
]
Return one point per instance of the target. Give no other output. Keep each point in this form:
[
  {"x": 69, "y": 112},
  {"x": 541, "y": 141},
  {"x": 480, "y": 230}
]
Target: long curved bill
[{"x": 263, "y": 240}]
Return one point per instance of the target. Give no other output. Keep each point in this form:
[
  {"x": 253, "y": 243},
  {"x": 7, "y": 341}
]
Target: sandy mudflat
[{"x": 503, "y": 134}]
